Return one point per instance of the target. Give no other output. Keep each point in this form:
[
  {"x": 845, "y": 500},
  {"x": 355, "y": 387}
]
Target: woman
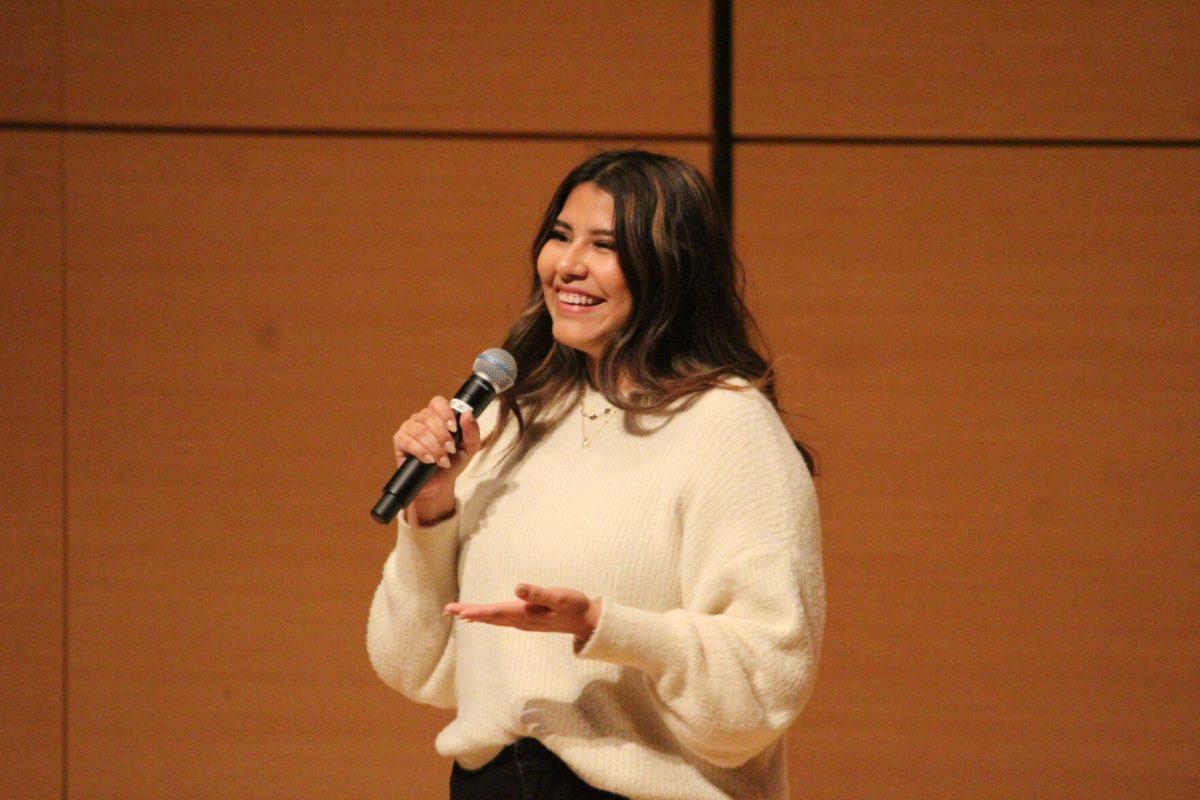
[{"x": 638, "y": 494}]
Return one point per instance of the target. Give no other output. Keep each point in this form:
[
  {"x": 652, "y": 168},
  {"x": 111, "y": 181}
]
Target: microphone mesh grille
[{"x": 498, "y": 366}]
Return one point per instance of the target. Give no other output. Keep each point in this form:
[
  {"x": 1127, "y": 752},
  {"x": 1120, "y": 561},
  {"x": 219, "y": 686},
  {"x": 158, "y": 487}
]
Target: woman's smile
[{"x": 576, "y": 303}]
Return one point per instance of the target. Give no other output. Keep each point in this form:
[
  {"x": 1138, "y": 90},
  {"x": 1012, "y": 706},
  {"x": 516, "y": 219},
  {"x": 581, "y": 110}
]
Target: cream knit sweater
[{"x": 700, "y": 534}]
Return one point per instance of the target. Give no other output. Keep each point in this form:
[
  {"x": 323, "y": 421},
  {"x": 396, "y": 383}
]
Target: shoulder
[
  {"x": 738, "y": 424},
  {"x": 741, "y": 456},
  {"x": 737, "y": 403}
]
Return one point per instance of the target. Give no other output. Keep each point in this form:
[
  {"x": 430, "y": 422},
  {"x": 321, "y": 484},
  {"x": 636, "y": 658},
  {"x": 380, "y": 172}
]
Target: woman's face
[{"x": 582, "y": 282}]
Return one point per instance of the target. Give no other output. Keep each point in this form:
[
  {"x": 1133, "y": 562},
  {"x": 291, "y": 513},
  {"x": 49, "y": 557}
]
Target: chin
[
  {"x": 582, "y": 347},
  {"x": 575, "y": 344}
]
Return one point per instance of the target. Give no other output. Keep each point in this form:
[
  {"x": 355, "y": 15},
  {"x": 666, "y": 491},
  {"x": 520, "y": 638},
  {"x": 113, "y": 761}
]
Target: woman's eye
[
  {"x": 558, "y": 236},
  {"x": 606, "y": 245}
]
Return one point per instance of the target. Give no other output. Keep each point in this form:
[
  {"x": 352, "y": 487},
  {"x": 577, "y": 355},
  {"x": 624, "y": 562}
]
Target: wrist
[
  {"x": 422, "y": 514},
  {"x": 591, "y": 618}
]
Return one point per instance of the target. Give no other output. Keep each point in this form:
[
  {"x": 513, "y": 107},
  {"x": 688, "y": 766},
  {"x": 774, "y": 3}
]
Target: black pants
[{"x": 525, "y": 770}]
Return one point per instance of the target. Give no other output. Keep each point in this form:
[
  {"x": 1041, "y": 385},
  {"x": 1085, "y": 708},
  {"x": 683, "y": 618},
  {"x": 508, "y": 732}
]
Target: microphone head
[{"x": 498, "y": 367}]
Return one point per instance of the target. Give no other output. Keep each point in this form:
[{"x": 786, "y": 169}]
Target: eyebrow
[{"x": 558, "y": 223}]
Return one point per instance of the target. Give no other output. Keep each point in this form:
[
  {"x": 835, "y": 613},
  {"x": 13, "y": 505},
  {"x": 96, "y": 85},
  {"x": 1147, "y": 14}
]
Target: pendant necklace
[{"x": 585, "y": 416}]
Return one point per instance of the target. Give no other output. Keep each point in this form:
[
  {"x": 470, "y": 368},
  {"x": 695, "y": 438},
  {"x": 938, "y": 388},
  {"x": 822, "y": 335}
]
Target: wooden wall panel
[
  {"x": 934, "y": 68},
  {"x": 29, "y": 61},
  {"x": 997, "y": 350},
  {"x": 626, "y": 67},
  {"x": 31, "y": 468},
  {"x": 251, "y": 319}
]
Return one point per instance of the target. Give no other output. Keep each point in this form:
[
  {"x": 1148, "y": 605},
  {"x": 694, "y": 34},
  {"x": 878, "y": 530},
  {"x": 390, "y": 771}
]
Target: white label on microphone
[{"x": 460, "y": 406}]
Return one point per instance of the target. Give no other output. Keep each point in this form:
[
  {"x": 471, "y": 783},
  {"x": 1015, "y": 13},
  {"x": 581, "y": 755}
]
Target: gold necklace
[{"x": 584, "y": 416}]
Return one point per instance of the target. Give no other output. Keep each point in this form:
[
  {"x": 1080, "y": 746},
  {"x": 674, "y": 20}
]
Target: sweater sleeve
[
  {"x": 409, "y": 640},
  {"x": 733, "y": 667}
]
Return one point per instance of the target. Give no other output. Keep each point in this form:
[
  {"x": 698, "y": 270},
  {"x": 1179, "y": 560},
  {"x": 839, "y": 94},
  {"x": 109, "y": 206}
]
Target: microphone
[{"x": 493, "y": 372}]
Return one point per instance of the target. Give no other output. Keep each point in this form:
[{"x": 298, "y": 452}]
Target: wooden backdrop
[{"x": 240, "y": 242}]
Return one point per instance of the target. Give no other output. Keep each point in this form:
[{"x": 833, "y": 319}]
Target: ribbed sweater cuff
[{"x": 631, "y": 637}]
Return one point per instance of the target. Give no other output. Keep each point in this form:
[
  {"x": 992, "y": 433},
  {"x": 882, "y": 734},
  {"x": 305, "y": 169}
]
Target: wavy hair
[{"x": 689, "y": 328}]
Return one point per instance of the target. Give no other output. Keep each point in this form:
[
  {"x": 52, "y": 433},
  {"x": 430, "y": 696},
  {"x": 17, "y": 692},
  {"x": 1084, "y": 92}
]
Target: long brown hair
[{"x": 689, "y": 329}]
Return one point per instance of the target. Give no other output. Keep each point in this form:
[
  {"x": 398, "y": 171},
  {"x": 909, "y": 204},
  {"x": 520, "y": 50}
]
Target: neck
[{"x": 623, "y": 385}]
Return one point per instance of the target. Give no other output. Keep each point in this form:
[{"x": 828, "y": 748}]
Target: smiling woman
[{"x": 646, "y": 582}]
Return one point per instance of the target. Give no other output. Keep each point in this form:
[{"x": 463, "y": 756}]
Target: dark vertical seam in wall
[
  {"x": 722, "y": 103},
  {"x": 62, "y": 245},
  {"x": 62, "y": 240}
]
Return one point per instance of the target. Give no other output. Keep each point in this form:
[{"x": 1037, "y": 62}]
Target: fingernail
[
  {"x": 522, "y": 590},
  {"x": 450, "y": 447},
  {"x": 452, "y": 425},
  {"x": 428, "y": 459},
  {"x": 444, "y": 462}
]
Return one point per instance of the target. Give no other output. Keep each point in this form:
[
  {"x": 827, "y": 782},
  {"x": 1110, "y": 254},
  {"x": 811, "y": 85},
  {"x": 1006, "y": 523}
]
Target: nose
[{"x": 571, "y": 263}]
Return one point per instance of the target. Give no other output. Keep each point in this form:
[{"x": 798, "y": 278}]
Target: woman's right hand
[{"x": 429, "y": 434}]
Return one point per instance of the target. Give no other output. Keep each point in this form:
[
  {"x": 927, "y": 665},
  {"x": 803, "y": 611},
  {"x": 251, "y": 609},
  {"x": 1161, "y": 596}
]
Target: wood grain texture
[
  {"x": 996, "y": 349},
  {"x": 623, "y": 68},
  {"x": 252, "y": 318},
  {"x": 30, "y": 74},
  {"x": 932, "y": 68},
  {"x": 31, "y": 468}
]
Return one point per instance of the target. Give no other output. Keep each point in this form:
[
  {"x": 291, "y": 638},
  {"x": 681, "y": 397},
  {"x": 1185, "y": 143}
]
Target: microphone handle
[{"x": 413, "y": 473}]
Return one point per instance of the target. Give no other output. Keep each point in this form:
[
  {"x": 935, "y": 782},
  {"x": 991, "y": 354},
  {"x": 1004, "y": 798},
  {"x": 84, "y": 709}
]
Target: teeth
[{"x": 577, "y": 299}]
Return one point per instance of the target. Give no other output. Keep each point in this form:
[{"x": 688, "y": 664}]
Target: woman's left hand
[{"x": 547, "y": 609}]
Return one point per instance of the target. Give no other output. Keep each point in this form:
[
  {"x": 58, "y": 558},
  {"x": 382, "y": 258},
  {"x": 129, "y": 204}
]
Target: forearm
[
  {"x": 408, "y": 638},
  {"x": 732, "y": 685}
]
